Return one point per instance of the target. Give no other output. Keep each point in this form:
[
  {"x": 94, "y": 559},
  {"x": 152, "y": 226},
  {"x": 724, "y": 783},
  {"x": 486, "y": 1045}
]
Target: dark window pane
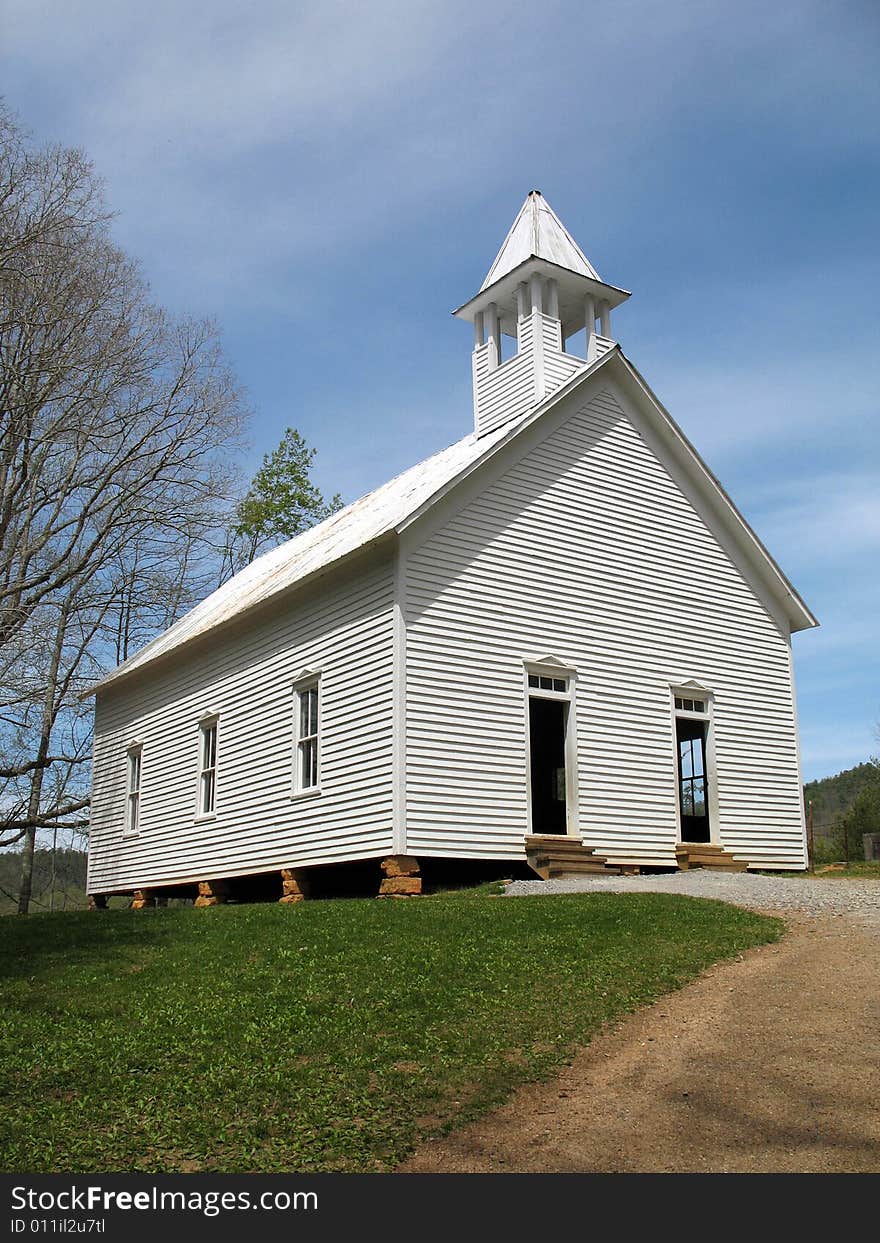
[
  {"x": 699, "y": 705},
  {"x": 308, "y": 764},
  {"x": 678, "y": 702},
  {"x": 533, "y": 679},
  {"x": 559, "y": 684},
  {"x": 209, "y": 746},
  {"x": 308, "y": 711},
  {"x": 208, "y": 792},
  {"x": 546, "y": 684}
]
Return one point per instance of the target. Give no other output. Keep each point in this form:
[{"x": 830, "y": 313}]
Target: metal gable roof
[{"x": 378, "y": 513}]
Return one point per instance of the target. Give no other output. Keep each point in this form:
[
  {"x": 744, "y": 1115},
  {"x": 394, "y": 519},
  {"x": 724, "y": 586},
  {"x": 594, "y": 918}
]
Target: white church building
[{"x": 556, "y": 642}]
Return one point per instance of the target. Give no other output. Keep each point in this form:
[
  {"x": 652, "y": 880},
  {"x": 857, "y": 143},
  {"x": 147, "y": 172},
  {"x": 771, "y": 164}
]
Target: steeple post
[
  {"x": 522, "y": 300},
  {"x": 590, "y": 322},
  {"x": 605, "y": 318},
  {"x": 479, "y": 336},
  {"x": 522, "y": 311},
  {"x": 536, "y": 295},
  {"x": 552, "y": 299},
  {"x": 493, "y": 333}
]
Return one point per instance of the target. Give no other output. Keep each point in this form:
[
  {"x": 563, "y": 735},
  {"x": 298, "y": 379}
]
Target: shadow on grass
[{"x": 35, "y": 946}]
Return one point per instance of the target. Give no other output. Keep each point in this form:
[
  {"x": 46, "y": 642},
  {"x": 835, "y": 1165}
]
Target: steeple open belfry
[{"x": 540, "y": 290}]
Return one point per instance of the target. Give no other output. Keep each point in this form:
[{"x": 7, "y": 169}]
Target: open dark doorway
[
  {"x": 693, "y": 788},
  {"x": 547, "y": 725}
]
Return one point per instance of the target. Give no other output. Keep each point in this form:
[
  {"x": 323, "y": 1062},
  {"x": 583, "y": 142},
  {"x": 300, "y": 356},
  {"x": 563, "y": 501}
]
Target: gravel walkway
[{"x": 859, "y": 899}]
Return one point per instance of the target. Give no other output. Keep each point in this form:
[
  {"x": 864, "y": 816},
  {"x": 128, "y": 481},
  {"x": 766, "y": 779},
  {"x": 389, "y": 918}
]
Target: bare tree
[{"x": 118, "y": 427}]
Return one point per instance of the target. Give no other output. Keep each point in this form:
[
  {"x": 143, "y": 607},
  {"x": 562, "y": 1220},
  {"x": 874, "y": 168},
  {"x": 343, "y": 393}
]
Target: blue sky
[{"x": 330, "y": 179}]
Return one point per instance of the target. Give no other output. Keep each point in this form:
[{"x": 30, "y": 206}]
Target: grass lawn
[{"x": 325, "y": 1036}]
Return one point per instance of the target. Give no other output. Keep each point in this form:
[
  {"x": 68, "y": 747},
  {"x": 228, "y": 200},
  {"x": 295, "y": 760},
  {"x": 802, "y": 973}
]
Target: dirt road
[{"x": 767, "y": 1064}]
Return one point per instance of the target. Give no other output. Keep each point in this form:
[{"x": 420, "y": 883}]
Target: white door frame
[
  {"x": 554, "y": 669},
  {"x": 694, "y": 690}
]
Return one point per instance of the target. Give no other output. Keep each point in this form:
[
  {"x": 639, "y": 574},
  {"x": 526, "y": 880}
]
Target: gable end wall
[{"x": 580, "y": 543}]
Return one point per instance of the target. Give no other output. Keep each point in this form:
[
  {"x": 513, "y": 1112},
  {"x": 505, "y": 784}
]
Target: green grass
[
  {"x": 863, "y": 871},
  {"x": 323, "y": 1036}
]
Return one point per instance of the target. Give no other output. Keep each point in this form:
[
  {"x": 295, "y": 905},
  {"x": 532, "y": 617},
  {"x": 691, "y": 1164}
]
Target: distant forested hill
[
  {"x": 832, "y": 795},
  {"x": 70, "y": 880}
]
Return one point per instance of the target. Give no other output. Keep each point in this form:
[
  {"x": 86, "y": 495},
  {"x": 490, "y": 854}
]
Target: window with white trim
[
  {"x": 133, "y": 789},
  {"x": 307, "y": 735},
  {"x": 684, "y": 704},
  {"x": 207, "y": 767},
  {"x": 543, "y": 682}
]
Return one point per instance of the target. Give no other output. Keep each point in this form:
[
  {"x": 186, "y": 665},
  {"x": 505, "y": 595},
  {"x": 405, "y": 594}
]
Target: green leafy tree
[
  {"x": 282, "y": 502},
  {"x": 863, "y": 816},
  {"x": 832, "y": 795}
]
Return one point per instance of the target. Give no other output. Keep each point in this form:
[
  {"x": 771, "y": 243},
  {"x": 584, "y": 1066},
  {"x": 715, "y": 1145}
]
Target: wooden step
[
  {"x": 562, "y": 846},
  {"x": 580, "y": 867},
  {"x": 728, "y": 863},
  {"x": 712, "y": 860},
  {"x": 707, "y": 855},
  {"x": 552, "y": 857}
]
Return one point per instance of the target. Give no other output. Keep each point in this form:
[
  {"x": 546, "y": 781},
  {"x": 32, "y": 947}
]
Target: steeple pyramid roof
[{"x": 538, "y": 233}]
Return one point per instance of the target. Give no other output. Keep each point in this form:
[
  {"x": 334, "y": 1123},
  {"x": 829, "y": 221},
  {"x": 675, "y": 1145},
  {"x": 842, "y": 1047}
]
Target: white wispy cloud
[{"x": 238, "y": 141}]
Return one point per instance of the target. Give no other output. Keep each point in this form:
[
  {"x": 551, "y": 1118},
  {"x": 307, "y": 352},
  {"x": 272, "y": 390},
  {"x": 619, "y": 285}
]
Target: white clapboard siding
[
  {"x": 558, "y": 366},
  {"x": 504, "y": 393},
  {"x": 508, "y": 391},
  {"x": 603, "y": 345},
  {"x": 342, "y": 626},
  {"x": 582, "y": 546}
]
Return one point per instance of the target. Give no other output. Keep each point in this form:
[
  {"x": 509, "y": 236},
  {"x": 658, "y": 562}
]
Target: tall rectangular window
[
  {"x": 133, "y": 790},
  {"x": 307, "y": 730},
  {"x": 207, "y": 767}
]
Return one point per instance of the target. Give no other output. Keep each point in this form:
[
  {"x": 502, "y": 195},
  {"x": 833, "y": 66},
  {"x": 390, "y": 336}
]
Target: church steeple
[{"x": 540, "y": 290}]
